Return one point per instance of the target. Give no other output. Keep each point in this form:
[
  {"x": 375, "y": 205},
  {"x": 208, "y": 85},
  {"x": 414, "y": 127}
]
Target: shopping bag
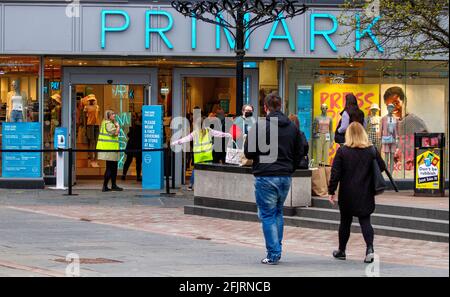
[
  {"x": 234, "y": 153},
  {"x": 319, "y": 182}
]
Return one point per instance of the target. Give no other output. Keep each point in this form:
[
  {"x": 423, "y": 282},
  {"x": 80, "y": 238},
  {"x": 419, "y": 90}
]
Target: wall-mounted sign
[{"x": 21, "y": 136}]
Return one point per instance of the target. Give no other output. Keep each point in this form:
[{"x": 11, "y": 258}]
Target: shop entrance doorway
[
  {"x": 209, "y": 89},
  {"x": 92, "y": 103},
  {"x": 93, "y": 91}
]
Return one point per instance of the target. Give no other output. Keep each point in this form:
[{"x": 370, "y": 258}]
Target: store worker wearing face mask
[
  {"x": 243, "y": 123},
  {"x": 246, "y": 120}
]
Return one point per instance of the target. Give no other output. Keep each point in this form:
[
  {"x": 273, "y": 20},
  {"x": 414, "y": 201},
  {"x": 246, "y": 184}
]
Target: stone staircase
[{"x": 388, "y": 220}]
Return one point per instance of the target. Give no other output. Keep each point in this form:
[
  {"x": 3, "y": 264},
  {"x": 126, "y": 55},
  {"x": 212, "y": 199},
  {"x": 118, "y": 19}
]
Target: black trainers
[
  {"x": 370, "y": 255},
  {"x": 116, "y": 188},
  {"x": 106, "y": 189},
  {"x": 340, "y": 255},
  {"x": 267, "y": 261}
]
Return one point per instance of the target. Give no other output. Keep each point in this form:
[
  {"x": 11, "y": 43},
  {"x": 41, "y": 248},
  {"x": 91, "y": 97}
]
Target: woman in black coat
[{"x": 352, "y": 170}]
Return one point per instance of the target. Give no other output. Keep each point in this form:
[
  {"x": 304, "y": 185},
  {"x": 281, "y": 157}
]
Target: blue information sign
[
  {"x": 152, "y": 138},
  {"x": 21, "y": 136},
  {"x": 63, "y": 132},
  {"x": 304, "y": 109}
]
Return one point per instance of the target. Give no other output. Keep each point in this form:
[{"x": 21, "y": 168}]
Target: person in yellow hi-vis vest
[
  {"x": 203, "y": 146},
  {"x": 108, "y": 139}
]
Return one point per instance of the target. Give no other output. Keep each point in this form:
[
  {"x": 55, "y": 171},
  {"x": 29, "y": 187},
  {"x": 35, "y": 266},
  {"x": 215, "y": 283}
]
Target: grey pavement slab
[{"x": 37, "y": 240}]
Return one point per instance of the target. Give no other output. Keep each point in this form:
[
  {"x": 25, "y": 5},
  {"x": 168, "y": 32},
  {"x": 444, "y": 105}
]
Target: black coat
[
  {"x": 289, "y": 147},
  {"x": 352, "y": 170}
]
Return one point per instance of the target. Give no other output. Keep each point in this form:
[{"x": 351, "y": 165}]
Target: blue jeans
[
  {"x": 270, "y": 193},
  {"x": 191, "y": 180},
  {"x": 16, "y": 116}
]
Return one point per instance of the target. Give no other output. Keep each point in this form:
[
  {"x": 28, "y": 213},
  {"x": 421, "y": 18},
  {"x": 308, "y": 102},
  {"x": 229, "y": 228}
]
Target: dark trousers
[
  {"x": 126, "y": 166},
  {"x": 110, "y": 173},
  {"x": 345, "y": 227}
]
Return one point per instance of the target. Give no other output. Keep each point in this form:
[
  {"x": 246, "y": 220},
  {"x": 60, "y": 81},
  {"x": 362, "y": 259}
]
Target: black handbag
[
  {"x": 339, "y": 137},
  {"x": 379, "y": 182}
]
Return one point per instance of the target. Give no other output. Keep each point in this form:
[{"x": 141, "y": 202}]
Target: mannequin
[
  {"x": 55, "y": 112},
  {"x": 389, "y": 136},
  {"x": 373, "y": 122},
  {"x": 323, "y": 133},
  {"x": 91, "y": 111},
  {"x": 16, "y": 103}
]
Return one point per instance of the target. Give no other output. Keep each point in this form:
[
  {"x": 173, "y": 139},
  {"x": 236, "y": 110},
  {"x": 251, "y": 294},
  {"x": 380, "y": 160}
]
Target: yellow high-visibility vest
[
  {"x": 203, "y": 147},
  {"x": 105, "y": 140}
]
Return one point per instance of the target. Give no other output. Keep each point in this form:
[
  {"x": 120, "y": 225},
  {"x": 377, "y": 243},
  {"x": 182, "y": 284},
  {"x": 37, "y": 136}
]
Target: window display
[
  {"x": 16, "y": 103},
  {"x": 373, "y": 121},
  {"x": 92, "y": 123},
  {"x": 389, "y": 137},
  {"x": 19, "y": 103},
  {"x": 323, "y": 135}
]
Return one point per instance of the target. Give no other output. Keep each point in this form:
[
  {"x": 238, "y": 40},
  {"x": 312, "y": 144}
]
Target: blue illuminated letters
[
  {"x": 325, "y": 33},
  {"x": 160, "y": 31},
  {"x": 367, "y": 31},
  {"x": 287, "y": 35},
  {"x": 231, "y": 41},
  {"x": 113, "y": 29}
]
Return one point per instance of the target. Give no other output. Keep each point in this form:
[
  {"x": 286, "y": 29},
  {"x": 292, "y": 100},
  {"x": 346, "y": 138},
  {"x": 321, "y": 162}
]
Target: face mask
[{"x": 248, "y": 114}]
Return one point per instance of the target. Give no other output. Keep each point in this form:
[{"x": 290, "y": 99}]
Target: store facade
[{"x": 130, "y": 55}]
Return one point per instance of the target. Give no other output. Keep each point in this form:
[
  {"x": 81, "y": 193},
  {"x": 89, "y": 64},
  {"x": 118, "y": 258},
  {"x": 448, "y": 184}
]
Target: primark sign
[{"x": 323, "y": 26}]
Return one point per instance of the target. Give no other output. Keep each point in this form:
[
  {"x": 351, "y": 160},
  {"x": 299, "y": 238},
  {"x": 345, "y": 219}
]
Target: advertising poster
[
  {"x": 152, "y": 138},
  {"x": 21, "y": 136},
  {"x": 304, "y": 109},
  {"x": 427, "y": 171},
  {"x": 334, "y": 96},
  {"x": 415, "y": 115}
]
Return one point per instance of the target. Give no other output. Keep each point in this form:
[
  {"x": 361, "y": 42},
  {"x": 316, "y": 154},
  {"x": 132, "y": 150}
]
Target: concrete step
[
  {"x": 387, "y": 220},
  {"x": 435, "y": 214},
  {"x": 314, "y": 223}
]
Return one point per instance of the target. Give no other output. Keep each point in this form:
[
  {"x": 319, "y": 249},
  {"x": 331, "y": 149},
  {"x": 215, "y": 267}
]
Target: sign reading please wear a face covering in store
[
  {"x": 333, "y": 95},
  {"x": 427, "y": 170},
  {"x": 152, "y": 138}
]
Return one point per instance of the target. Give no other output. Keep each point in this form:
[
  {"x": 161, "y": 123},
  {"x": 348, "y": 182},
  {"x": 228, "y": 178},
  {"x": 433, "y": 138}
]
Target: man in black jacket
[{"x": 274, "y": 145}]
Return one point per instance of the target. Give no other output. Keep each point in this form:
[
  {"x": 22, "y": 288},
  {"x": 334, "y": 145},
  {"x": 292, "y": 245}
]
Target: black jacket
[
  {"x": 352, "y": 170},
  {"x": 289, "y": 147}
]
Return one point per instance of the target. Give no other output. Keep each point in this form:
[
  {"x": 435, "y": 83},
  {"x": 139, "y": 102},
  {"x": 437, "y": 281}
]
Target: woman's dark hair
[
  {"x": 351, "y": 103},
  {"x": 352, "y": 108}
]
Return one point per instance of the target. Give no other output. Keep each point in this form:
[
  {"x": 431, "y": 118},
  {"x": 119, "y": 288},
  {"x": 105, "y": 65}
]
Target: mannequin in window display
[
  {"x": 389, "y": 136},
  {"x": 55, "y": 112},
  {"x": 91, "y": 111},
  {"x": 16, "y": 103},
  {"x": 323, "y": 134},
  {"x": 373, "y": 122}
]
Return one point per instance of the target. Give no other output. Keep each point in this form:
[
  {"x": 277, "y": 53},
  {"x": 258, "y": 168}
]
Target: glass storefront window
[
  {"x": 418, "y": 90},
  {"x": 19, "y": 92},
  {"x": 53, "y": 102}
]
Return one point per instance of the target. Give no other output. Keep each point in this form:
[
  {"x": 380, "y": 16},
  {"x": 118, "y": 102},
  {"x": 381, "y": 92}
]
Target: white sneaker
[{"x": 95, "y": 164}]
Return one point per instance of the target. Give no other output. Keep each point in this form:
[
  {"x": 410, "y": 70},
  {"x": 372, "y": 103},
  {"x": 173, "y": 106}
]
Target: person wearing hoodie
[{"x": 273, "y": 167}]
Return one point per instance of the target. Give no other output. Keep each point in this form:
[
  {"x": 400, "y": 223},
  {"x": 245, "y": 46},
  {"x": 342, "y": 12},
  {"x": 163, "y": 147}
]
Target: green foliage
[{"x": 407, "y": 29}]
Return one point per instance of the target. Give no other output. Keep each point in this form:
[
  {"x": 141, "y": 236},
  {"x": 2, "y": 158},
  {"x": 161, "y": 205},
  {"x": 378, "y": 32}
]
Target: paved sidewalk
[
  {"x": 151, "y": 214},
  {"x": 36, "y": 245}
]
